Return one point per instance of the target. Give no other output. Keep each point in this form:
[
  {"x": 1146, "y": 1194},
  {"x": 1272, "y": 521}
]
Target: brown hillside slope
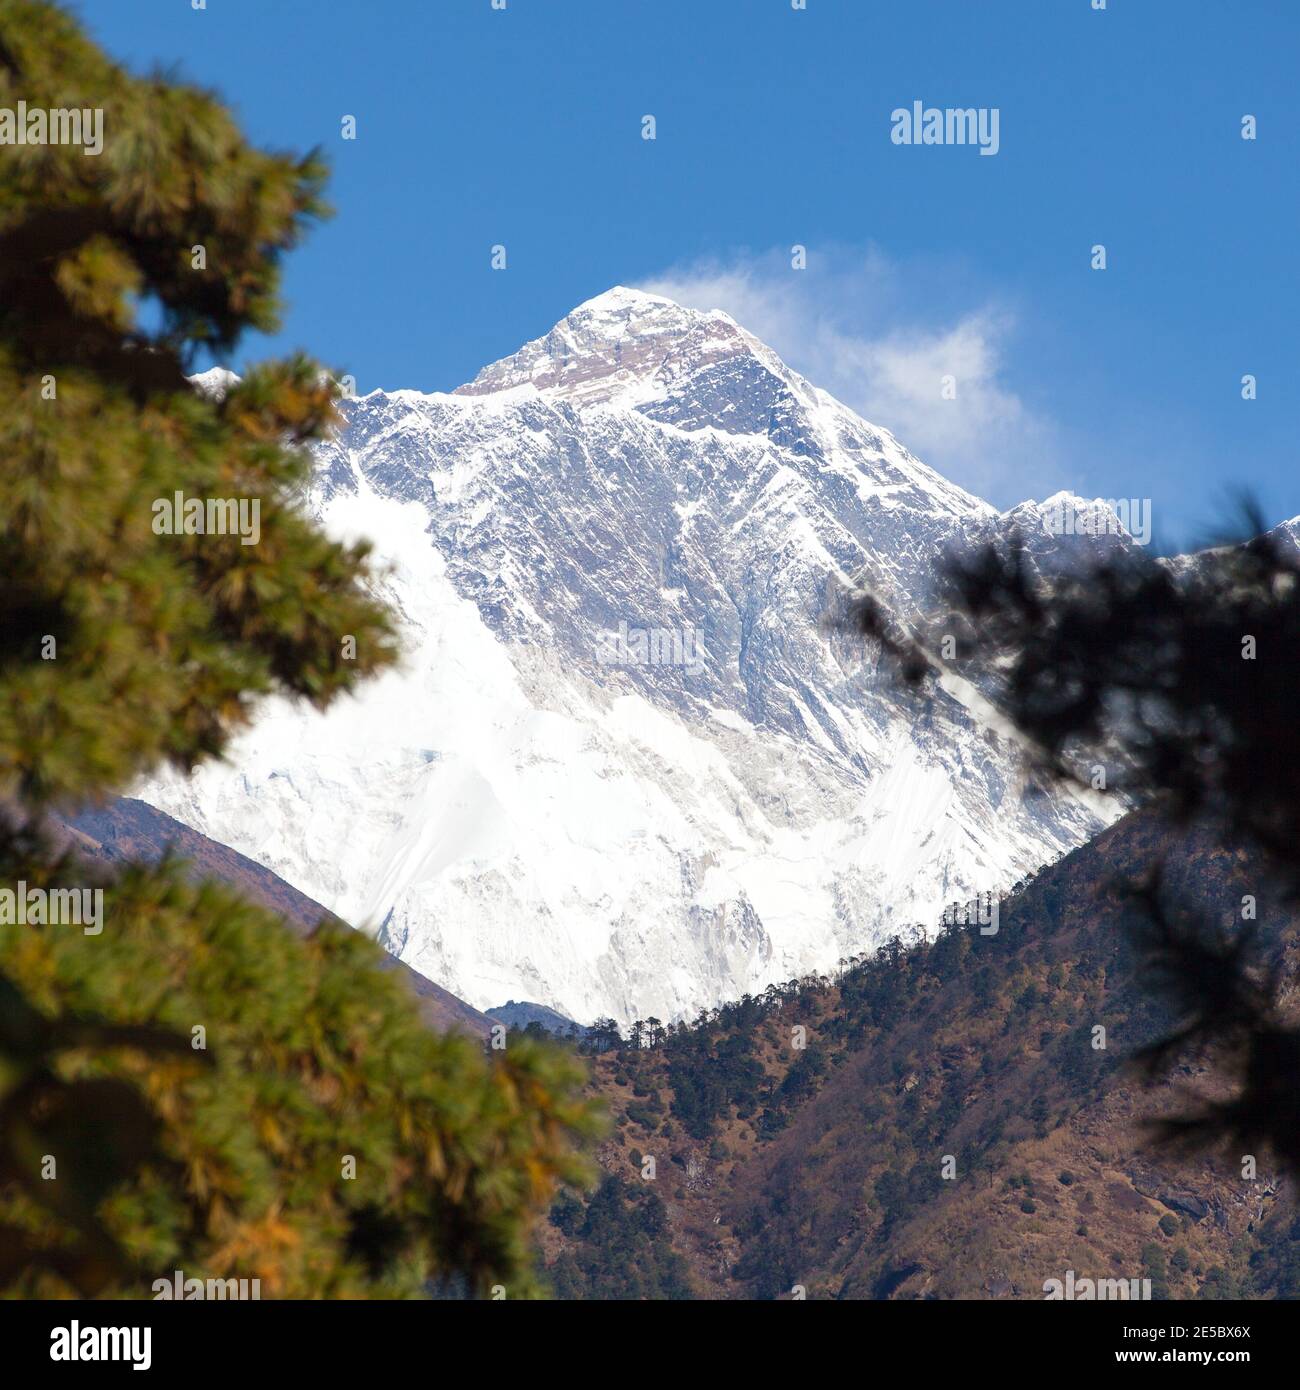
[
  {"x": 127, "y": 829},
  {"x": 824, "y": 1167}
]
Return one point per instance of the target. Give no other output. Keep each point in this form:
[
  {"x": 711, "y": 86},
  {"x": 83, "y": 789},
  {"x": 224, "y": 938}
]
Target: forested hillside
[{"x": 945, "y": 1121}]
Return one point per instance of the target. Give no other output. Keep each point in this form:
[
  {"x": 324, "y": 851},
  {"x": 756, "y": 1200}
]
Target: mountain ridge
[
  {"x": 124, "y": 830},
  {"x": 518, "y": 816}
]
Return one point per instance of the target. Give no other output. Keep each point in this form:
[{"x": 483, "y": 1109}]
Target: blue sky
[{"x": 523, "y": 127}]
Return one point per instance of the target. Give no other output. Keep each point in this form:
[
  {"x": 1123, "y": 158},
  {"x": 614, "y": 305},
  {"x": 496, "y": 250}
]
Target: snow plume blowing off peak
[{"x": 626, "y": 770}]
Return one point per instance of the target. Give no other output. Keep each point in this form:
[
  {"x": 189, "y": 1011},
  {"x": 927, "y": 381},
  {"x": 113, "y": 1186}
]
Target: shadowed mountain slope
[{"x": 126, "y": 829}]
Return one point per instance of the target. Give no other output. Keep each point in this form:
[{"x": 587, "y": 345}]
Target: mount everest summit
[{"x": 625, "y": 769}]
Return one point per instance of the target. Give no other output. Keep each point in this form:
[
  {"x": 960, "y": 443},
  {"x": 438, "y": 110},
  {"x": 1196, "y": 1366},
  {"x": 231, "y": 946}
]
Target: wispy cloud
[{"x": 849, "y": 324}]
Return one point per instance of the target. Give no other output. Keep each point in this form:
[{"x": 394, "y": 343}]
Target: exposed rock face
[{"x": 626, "y": 770}]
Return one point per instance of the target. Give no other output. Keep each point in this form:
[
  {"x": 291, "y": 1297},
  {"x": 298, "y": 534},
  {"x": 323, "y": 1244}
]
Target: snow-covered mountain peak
[
  {"x": 626, "y": 768},
  {"x": 1065, "y": 529},
  {"x": 1059, "y": 503},
  {"x": 215, "y": 382},
  {"x": 631, "y": 349},
  {"x": 639, "y": 354}
]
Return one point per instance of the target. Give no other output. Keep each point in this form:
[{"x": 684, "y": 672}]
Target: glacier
[{"x": 531, "y": 808}]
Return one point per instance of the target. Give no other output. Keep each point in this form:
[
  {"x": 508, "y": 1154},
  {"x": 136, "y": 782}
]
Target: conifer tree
[
  {"x": 193, "y": 1086},
  {"x": 1177, "y": 682}
]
